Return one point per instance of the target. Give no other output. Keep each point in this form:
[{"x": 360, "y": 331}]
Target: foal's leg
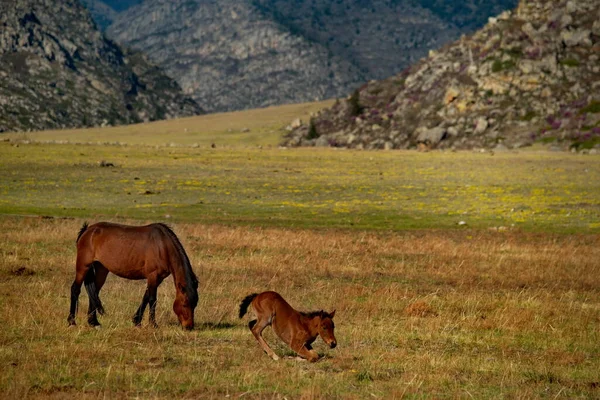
[
  {"x": 100, "y": 279},
  {"x": 139, "y": 314},
  {"x": 257, "y": 328},
  {"x": 305, "y": 351}
]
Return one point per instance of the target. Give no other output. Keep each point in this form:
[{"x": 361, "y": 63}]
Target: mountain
[
  {"x": 231, "y": 55},
  {"x": 381, "y": 37},
  {"x": 228, "y": 56},
  {"x": 104, "y": 12},
  {"x": 57, "y": 71},
  {"x": 530, "y": 75}
]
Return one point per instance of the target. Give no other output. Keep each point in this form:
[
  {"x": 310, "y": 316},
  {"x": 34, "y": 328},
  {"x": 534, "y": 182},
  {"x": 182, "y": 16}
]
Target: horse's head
[
  {"x": 326, "y": 327},
  {"x": 184, "y": 309}
]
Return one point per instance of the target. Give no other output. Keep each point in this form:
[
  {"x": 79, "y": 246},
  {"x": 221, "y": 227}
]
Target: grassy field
[
  {"x": 454, "y": 275},
  {"x": 425, "y": 314},
  {"x": 262, "y": 127}
]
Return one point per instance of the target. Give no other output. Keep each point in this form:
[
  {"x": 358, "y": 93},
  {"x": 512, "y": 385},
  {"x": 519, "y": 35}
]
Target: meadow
[{"x": 453, "y": 275}]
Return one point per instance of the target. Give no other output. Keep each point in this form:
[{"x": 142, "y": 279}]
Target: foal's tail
[
  {"x": 92, "y": 290},
  {"x": 246, "y": 303}
]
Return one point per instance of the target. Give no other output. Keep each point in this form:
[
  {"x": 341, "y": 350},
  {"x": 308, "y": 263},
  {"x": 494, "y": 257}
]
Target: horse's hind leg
[
  {"x": 75, "y": 291},
  {"x": 257, "y": 326},
  {"x": 95, "y": 307},
  {"x": 80, "y": 272}
]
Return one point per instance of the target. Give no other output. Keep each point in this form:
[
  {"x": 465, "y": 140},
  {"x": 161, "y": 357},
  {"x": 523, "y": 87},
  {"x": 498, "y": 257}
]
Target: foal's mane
[
  {"x": 191, "y": 287},
  {"x": 312, "y": 314}
]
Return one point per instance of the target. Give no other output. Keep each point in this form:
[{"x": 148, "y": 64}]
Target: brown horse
[
  {"x": 299, "y": 330},
  {"x": 150, "y": 252}
]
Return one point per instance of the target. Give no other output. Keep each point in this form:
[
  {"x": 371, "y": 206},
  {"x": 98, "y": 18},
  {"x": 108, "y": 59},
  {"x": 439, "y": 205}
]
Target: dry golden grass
[
  {"x": 435, "y": 314},
  {"x": 262, "y": 126}
]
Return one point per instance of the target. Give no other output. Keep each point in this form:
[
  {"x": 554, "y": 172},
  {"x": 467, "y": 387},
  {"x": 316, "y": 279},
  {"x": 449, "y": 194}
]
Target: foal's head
[
  {"x": 184, "y": 309},
  {"x": 326, "y": 327}
]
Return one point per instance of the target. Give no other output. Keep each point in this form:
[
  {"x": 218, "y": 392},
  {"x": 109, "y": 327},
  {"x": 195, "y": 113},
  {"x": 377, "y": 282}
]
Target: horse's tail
[
  {"x": 246, "y": 303},
  {"x": 81, "y": 231},
  {"x": 191, "y": 281},
  {"x": 92, "y": 290}
]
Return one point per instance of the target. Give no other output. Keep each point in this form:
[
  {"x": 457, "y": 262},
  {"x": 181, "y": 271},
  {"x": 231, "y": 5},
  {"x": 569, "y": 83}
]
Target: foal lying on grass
[{"x": 299, "y": 330}]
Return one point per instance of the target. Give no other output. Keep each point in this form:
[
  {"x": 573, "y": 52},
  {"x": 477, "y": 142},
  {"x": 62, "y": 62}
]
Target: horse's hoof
[
  {"x": 72, "y": 325},
  {"x": 275, "y": 357},
  {"x": 97, "y": 327}
]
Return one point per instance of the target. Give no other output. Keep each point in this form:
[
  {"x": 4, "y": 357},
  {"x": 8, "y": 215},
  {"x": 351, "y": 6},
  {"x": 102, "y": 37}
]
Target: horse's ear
[{"x": 331, "y": 314}]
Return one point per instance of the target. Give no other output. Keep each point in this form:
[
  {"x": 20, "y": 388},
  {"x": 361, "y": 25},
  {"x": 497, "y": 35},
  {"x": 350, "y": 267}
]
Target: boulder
[{"x": 430, "y": 136}]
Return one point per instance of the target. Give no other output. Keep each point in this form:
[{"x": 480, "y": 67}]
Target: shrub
[
  {"x": 312, "y": 130},
  {"x": 355, "y": 107}
]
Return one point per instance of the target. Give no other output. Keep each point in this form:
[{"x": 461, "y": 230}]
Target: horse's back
[{"x": 127, "y": 251}]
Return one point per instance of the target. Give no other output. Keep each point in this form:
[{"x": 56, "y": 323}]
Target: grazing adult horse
[
  {"x": 298, "y": 329},
  {"x": 150, "y": 252}
]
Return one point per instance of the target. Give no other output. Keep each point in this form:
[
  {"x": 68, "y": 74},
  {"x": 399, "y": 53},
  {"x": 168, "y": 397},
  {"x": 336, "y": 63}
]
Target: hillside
[
  {"x": 530, "y": 75},
  {"x": 58, "y": 71},
  {"x": 232, "y": 55}
]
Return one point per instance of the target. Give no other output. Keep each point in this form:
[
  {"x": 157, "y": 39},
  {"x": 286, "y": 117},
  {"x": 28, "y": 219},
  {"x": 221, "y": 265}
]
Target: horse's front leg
[
  {"x": 152, "y": 291},
  {"x": 139, "y": 314}
]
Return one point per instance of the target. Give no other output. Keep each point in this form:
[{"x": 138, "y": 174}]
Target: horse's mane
[
  {"x": 191, "y": 287},
  {"x": 81, "y": 231}
]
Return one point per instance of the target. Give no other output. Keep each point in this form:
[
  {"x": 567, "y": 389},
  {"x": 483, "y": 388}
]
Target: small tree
[
  {"x": 355, "y": 108},
  {"x": 312, "y": 130}
]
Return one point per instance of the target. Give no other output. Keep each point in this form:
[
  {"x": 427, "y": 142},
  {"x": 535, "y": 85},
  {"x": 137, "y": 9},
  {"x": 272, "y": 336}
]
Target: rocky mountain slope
[
  {"x": 227, "y": 56},
  {"x": 240, "y": 54},
  {"x": 381, "y": 37},
  {"x": 57, "y": 70},
  {"x": 530, "y": 75}
]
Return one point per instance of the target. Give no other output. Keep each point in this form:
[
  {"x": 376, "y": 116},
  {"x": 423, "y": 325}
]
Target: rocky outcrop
[
  {"x": 530, "y": 75},
  {"x": 58, "y": 71},
  {"x": 231, "y": 55}
]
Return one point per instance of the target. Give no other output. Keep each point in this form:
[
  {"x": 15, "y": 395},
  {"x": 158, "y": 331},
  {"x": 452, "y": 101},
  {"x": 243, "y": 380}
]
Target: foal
[{"x": 299, "y": 330}]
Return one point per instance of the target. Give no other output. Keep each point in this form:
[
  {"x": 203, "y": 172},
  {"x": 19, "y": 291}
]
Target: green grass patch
[
  {"x": 305, "y": 188},
  {"x": 499, "y": 65},
  {"x": 570, "y": 62},
  {"x": 529, "y": 115},
  {"x": 593, "y": 108}
]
